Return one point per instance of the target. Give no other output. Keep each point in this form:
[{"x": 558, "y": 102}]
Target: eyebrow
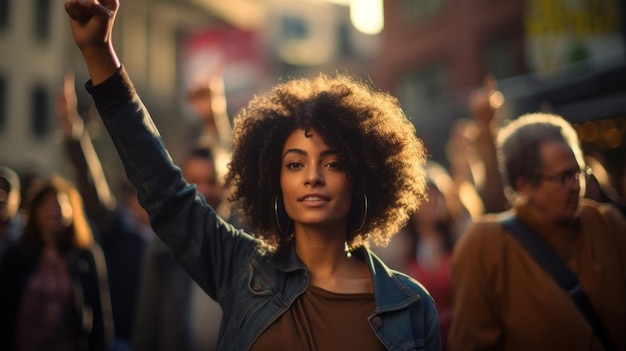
[{"x": 304, "y": 153}]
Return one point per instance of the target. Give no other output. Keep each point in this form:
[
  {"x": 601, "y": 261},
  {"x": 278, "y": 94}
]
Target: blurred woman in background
[
  {"x": 54, "y": 292},
  {"x": 423, "y": 247}
]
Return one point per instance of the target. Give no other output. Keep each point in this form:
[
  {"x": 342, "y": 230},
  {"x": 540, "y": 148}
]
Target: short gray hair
[{"x": 518, "y": 144}]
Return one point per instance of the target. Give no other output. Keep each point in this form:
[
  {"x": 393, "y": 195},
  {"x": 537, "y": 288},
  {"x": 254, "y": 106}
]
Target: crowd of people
[{"x": 329, "y": 229}]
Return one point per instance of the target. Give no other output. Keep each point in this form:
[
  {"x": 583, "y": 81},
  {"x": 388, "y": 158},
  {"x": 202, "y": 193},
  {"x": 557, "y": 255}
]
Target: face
[
  {"x": 201, "y": 172},
  {"x": 316, "y": 189},
  {"x": 54, "y": 213},
  {"x": 561, "y": 185},
  {"x": 431, "y": 211}
]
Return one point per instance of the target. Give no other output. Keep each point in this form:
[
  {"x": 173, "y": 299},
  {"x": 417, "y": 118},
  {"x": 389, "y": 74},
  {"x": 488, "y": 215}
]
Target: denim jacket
[{"x": 254, "y": 288}]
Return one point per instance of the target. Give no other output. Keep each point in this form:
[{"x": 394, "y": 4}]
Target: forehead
[
  {"x": 557, "y": 156},
  {"x": 49, "y": 196},
  {"x": 300, "y": 139},
  {"x": 196, "y": 167},
  {"x": 196, "y": 161}
]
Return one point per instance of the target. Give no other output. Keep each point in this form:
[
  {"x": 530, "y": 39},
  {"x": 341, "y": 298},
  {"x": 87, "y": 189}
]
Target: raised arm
[
  {"x": 92, "y": 27},
  {"x": 97, "y": 195},
  {"x": 209, "y": 249},
  {"x": 485, "y": 107}
]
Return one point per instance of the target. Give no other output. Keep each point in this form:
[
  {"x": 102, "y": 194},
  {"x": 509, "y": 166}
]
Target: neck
[
  {"x": 560, "y": 235},
  {"x": 536, "y": 217},
  {"x": 322, "y": 251}
]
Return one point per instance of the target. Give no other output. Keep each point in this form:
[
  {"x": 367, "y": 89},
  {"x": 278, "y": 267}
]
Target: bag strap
[{"x": 554, "y": 265}]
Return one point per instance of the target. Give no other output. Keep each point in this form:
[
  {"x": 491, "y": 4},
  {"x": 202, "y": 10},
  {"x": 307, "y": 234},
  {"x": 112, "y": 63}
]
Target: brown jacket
[{"x": 503, "y": 299}]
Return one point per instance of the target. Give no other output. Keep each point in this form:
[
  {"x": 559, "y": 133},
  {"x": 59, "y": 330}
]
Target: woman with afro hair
[{"x": 318, "y": 167}]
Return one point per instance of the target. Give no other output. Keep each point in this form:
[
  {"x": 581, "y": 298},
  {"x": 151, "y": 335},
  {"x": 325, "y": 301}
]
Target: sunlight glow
[{"x": 367, "y": 16}]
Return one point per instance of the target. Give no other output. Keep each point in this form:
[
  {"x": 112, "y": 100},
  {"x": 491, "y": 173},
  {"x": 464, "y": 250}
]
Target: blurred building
[
  {"x": 37, "y": 50},
  {"x": 566, "y": 56},
  {"x": 562, "y": 56},
  {"x": 32, "y": 40},
  {"x": 166, "y": 46}
]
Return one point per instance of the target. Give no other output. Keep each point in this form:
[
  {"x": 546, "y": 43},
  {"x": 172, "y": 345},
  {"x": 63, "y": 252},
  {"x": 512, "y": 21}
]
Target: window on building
[
  {"x": 423, "y": 87},
  {"x": 40, "y": 116},
  {"x": 43, "y": 14},
  {"x": 3, "y": 102},
  {"x": 294, "y": 27},
  {"x": 4, "y": 14},
  {"x": 344, "y": 42},
  {"x": 415, "y": 11},
  {"x": 423, "y": 96},
  {"x": 500, "y": 59}
]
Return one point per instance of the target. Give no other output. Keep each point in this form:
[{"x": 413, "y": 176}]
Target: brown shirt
[
  {"x": 323, "y": 320},
  {"x": 503, "y": 299}
]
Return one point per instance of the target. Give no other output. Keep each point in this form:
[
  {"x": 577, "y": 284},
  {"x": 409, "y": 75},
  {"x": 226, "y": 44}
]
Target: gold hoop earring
[
  {"x": 280, "y": 227},
  {"x": 362, "y": 223}
]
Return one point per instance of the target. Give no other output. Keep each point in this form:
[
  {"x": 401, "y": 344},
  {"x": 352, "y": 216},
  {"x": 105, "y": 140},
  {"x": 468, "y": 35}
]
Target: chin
[{"x": 570, "y": 215}]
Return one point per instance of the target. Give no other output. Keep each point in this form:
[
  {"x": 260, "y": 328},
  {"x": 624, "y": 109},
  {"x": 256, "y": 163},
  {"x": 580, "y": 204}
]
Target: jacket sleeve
[
  {"x": 475, "y": 321},
  {"x": 209, "y": 249},
  {"x": 432, "y": 330}
]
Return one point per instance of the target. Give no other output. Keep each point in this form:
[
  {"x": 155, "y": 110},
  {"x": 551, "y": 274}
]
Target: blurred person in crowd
[
  {"x": 504, "y": 299},
  {"x": 318, "y": 164},
  {"x": 54, "y": 292},
  {"x": 122, "y": 229},
  {"x": 207, "y": 98},
  {"x": 471, "y": 151},
  {"x": 600, "y": 185},
  {"x": 423, "y": 247},
  {"x": 173, "y": 311},
  {"x": 11, "y": 219},
  {"x": 434, "y": 230}
]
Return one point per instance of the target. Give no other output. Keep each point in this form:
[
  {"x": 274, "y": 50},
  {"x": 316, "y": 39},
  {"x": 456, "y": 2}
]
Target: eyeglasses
[{"x": 567, "y": 178}]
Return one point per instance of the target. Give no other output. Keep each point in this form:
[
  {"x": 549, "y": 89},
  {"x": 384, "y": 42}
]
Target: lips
[{"x": 313, "y": 198}]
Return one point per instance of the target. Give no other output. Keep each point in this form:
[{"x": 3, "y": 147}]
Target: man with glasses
[{"x": 505, "y": 298}]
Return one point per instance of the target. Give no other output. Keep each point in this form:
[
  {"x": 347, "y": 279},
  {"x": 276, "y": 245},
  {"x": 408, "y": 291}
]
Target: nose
[
  {"x": 52, "y": 211},
  {"x": 314, "y": 176}
]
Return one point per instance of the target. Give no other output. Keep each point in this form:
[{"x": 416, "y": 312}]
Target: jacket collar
[
  {"x": 390, "y": 292},
  {"x": 287, "y": 260}
]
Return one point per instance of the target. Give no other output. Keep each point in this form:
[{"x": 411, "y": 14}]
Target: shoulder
[
  {"x": 422, "y": 311},
  {"x": 595, "y": 215},
  {"x": 410, "y": 283},
  {"x": 592, "y": 211},
  {"x": 608, "y": 211},
  {"x": 483, "y": 234},
  {"x": 397, "y": 286},
  {"x": 87, "y": 259},
  {"x": 481, "y": 250}
]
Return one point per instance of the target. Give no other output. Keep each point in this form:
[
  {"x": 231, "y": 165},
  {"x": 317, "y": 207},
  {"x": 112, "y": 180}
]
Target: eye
[
  {"x": 334, "y": 165},
  {"x": 570, "y": 174},
  {"x": 293, "y": 165}
]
